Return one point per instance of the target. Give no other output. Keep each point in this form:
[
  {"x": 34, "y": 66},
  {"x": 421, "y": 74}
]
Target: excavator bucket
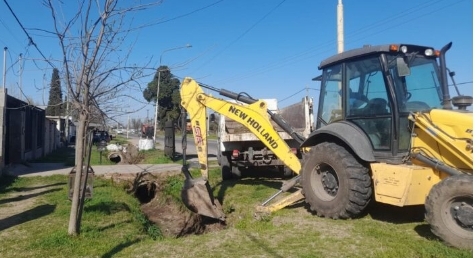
[{"x": 197, "y": 197}]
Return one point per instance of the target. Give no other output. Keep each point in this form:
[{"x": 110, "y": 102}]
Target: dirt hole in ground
[{"x": 166, "y": 212}]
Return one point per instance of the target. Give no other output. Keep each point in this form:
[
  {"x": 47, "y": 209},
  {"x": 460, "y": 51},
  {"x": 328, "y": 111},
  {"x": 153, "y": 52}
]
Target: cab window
[{"x": 331, "y": 98}]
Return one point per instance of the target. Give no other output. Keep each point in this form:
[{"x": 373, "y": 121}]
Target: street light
[{"x": 158, "y": 87}]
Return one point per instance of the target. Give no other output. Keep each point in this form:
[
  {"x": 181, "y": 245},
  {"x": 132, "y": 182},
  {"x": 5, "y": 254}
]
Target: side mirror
[{"x": 402, "y": 67}]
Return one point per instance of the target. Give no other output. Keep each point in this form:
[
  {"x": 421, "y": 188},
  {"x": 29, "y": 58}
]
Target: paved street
[{"x": 212, "y": 144}]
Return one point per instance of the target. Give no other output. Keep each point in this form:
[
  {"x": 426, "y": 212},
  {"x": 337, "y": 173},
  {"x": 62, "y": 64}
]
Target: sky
[{"x": 266, "y": 48}]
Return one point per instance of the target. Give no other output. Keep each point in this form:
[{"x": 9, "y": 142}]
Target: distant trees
[
  {"x": 55, "y": 101},
  {"x": 136, "y": 123},
  {"x": 169, "y": 95}
]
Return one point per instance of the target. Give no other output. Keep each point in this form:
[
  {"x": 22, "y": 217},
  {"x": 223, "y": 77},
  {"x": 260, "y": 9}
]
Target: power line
[
  {"x": 292, "y": 95},
  {"x": 180, "y": 16},
  {"x": 311, "y": 52},
  {"x": 244, "y": 33},
  {"x": 9, "y": 31},
  {"x": 30, "y": 39}
]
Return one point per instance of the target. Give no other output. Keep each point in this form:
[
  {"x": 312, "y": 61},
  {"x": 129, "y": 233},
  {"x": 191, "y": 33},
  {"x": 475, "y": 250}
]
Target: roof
[{"x": 365, "y": 50}]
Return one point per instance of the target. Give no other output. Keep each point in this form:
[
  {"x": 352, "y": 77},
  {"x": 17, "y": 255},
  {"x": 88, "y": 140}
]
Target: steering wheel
[{"x": 377, "y": 106}]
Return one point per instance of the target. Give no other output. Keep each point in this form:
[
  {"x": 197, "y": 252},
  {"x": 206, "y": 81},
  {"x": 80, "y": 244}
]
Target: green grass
[
  {"x": 154, "y": 156},
  {"x": 113, "y": 226},
  {"x": 62, "y": 155},
  {"x": 99, "y": 157},
  {"x": 66, "y": 156},
  {"x": 120, "y": 139},
  {"x": 111, "y": 220}
]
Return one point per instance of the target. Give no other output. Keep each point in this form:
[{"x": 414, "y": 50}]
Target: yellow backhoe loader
[{"x": 386, "y": 129}]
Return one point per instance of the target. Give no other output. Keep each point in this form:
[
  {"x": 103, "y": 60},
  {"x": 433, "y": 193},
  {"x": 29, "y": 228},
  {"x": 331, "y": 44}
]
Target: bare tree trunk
[
  {"x": 74, "y": 218},
  {"x": 84, "y": 178}
]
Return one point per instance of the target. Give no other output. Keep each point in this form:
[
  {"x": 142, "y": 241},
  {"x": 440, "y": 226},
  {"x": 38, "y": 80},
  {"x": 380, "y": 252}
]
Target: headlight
[
  {"x": 429, "y": 52},
  {"x": 403, "y": 49}
]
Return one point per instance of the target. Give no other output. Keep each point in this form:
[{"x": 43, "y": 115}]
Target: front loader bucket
[{"x": 197, "y": 197}]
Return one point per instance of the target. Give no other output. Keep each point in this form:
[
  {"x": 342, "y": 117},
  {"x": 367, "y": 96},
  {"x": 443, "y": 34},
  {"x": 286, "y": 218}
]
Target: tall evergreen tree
[
  {"x": 169, "y": 95},
  {"x": 55, "y": 106}
]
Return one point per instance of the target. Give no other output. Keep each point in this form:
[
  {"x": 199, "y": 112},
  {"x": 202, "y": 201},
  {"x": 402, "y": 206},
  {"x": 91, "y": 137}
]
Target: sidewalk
[{"x": 48, "y": 169}]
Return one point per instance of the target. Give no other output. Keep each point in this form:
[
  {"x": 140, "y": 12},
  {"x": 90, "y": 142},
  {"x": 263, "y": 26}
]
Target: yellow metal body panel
[
  {"x": 281, "y": 203},
  {"x": 253, "y": 116},
  {"x": 445, "y": 135},
  {"x": 403, "y": 185}
]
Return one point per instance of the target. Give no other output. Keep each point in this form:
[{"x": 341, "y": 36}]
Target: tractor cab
[{"x": 374, "y": 89}]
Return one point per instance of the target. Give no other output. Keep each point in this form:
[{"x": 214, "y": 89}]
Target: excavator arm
[
  {"x": 196, "y": 193},
  {"x": 253, "y": 116}
]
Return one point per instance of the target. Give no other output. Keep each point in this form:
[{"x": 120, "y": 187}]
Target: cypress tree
[{"x": 55, "y": 106}]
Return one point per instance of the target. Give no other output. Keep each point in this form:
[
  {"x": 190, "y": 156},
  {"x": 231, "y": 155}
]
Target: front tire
[
  {"x": 335, "y": 184},
  {"x": 449, "y": 211}
]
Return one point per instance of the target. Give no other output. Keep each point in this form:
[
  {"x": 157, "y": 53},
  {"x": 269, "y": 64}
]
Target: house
[
  {"x": 26, "y": 133},
  {"x": 66, "y": 128}
]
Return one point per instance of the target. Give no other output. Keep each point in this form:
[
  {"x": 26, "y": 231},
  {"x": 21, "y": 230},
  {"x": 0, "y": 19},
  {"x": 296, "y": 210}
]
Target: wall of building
[{"x": 26, "y": 132}]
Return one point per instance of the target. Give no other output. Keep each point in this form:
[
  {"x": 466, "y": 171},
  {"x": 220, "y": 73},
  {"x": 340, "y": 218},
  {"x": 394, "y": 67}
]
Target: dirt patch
[
  {"x": 173, "y": 221},
  {"x": 167, "y": 213}
]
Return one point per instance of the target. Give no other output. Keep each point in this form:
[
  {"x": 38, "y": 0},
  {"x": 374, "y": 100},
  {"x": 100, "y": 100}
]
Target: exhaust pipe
[{"x": 444, "y": 78}]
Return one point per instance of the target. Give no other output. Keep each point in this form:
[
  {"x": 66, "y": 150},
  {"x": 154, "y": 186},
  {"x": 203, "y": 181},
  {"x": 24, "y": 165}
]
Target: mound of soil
[{"x": 167, "y": 213}]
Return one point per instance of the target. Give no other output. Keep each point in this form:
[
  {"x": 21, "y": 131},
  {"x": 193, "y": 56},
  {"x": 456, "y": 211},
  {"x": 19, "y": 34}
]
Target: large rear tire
[
  {"x": 228, "y": 171},
  {"x": 225, "y": 168},
  {"x": 449, "y": 211},
  {"x": 285, "y": 172},
  {"x": 335, "y": 184},
  {"x": 236, "y": 172},
  {"x": 219, "y": 154}
]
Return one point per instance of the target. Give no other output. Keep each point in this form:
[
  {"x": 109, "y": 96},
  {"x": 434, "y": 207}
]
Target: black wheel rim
[
  {"x": 459, "y": 211},
  {"x": 325, "y": 182}
]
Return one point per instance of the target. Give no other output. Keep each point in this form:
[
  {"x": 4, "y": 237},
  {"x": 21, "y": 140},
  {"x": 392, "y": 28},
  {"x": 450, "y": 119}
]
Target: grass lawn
[
  {"x": 34, "y": 215},
  {"x": 112, "y": 226}
]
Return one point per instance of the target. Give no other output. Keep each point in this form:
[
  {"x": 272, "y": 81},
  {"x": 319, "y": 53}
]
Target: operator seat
[
  {"x": 379, "y": 130},
  {"x": 377, "y": 106}
]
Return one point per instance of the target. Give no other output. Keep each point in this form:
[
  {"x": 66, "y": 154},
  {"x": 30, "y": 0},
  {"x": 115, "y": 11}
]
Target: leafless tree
[
  {"x": 136, "y": 123},
  {"x": 96, "y": 71}
]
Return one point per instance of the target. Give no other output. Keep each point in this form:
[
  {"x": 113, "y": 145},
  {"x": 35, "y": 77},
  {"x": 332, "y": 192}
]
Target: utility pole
[
  {"x": 128, "y": 114},
  {"x": 127, "y": 132},
  {"x": 340, "y": 27},
  {"x": 4, "y": 66},
  {"x": 20, "y": 76},
  {"x": 67, "y": 115}
]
